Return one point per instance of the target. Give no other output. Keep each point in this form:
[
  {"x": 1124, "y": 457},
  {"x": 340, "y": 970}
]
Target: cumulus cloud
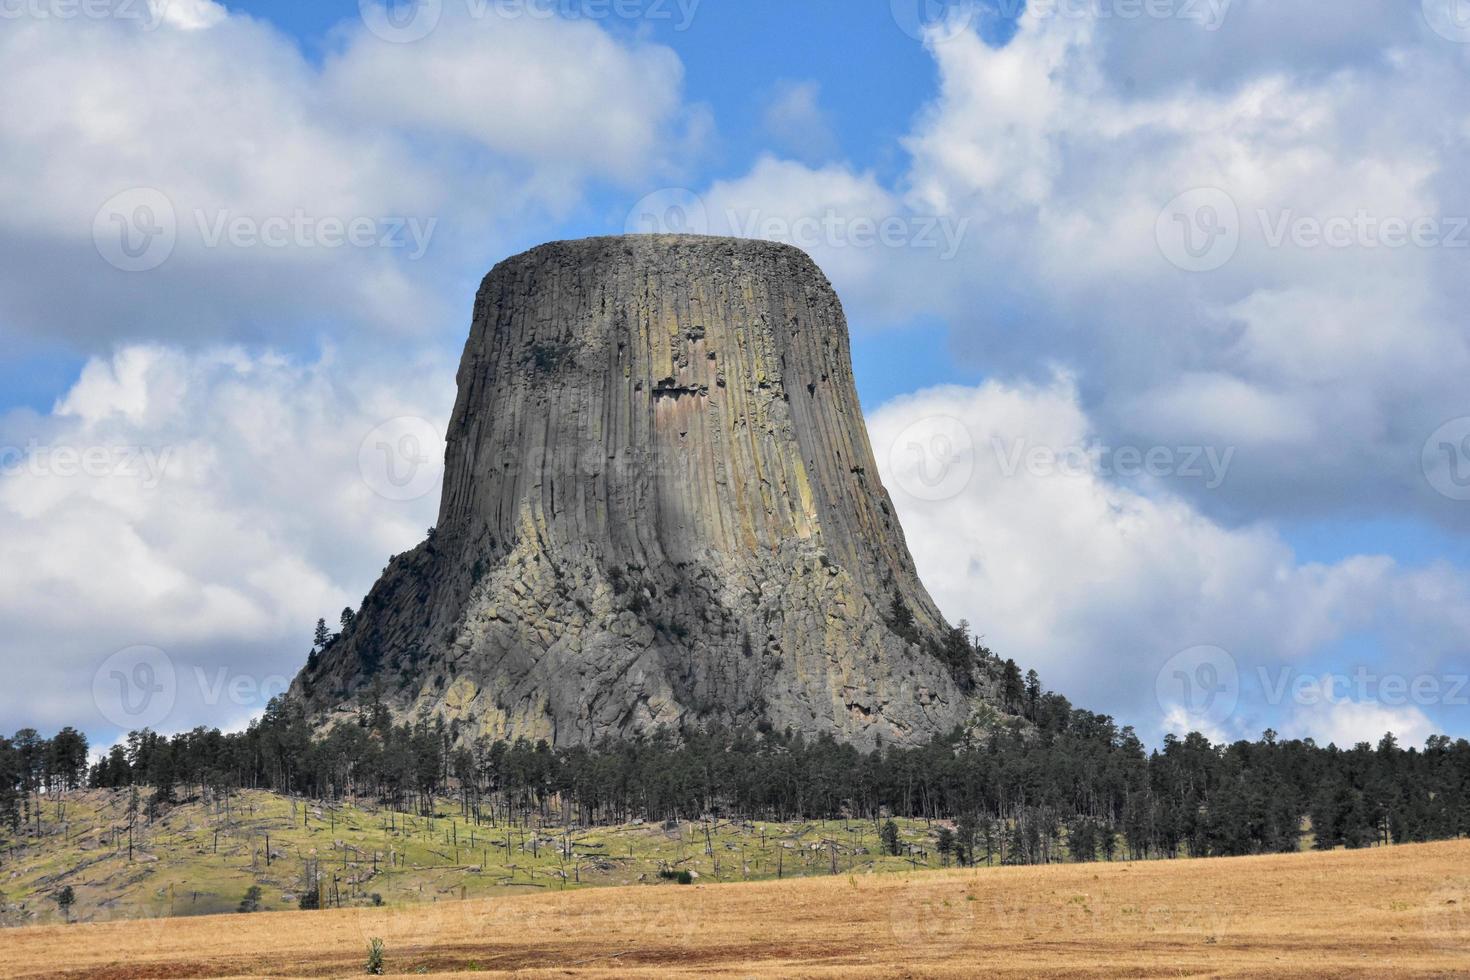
[
  {"x": 1217, "y": 43},
  {"x": 797, "y": 124},
  {"x": 249, "y": 191},
  {"x": 1074, "y": 556},
  {"x": 1326, "y": 365},
  {"x": 1346, "y": 723},
  {"x": 553, "y": 93},
  {"x": 861, "y": 233},
  {"x": 1317, "y": 330},
  {"x": 208, "y": 505}
]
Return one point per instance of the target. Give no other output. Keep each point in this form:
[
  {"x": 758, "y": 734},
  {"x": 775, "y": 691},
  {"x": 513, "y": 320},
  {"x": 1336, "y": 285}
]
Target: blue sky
[{"x": 1111, "y": 234}]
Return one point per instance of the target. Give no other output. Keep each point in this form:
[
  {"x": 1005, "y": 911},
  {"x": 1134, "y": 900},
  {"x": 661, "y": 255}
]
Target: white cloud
[
  {"x": 1180, "y": 722},
  {"x": 1097, "y": 576},
  {"x": 1216, "y": 43},
  {"x": 549, "y": 92},
  {"x": 210, "y": 505},
  {"x": 796, "y": 122},
  {"x": 188, "y": 15},
  {"x": 859, "y": 232},
  {"x": 486, "y": 121},
  {"x": 1346, "y": 723},
  {"x": 1325, "y": 367}
]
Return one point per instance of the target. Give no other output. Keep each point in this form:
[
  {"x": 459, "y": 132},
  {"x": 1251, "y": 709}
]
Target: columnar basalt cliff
[{"x": 660, "y": 510}]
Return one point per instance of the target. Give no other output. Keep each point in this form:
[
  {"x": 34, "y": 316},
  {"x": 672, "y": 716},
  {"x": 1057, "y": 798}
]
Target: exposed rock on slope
[{"x": 660, "y": 509}]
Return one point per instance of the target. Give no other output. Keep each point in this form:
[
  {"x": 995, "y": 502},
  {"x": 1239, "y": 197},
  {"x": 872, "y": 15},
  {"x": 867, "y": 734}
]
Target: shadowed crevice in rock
[{"x": 660, "y": 509}]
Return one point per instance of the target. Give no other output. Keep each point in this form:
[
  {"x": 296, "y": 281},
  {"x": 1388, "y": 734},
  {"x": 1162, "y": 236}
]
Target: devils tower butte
[{"x": 660, "y": 510}]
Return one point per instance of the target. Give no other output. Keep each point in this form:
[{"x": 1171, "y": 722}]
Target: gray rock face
[{"x": 660, "y": 509}]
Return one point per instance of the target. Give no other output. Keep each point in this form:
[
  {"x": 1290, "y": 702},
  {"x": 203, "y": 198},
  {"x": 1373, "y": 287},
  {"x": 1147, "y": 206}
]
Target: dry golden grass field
[{"x": 1400, "y": 911}]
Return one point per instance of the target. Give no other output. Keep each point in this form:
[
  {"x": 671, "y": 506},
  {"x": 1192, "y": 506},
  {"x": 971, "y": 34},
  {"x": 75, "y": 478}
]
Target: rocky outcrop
[{"x": 660, "y": 509}]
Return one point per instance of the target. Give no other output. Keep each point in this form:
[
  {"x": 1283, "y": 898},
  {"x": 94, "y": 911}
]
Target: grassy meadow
[
  {"x": 200, "y": 858},
  {"x": 1383, "y": 912}
]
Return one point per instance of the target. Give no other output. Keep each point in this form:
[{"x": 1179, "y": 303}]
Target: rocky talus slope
[{"x": 660, "y": 509}]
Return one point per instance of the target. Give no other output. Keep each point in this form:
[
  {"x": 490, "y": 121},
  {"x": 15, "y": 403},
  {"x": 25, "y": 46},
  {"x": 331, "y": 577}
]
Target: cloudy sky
[{"x": 1157, "y": 312}]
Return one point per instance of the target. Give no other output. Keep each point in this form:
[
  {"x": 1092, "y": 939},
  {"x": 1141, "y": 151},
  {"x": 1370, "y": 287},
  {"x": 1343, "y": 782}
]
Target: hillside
[
  {"x": 1396, "y": 911},
  {"x": 199, "y": 858}
]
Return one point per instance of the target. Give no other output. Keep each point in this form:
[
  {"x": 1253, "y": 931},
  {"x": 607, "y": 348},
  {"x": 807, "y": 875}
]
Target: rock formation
[{"x": 660, "y": 510}]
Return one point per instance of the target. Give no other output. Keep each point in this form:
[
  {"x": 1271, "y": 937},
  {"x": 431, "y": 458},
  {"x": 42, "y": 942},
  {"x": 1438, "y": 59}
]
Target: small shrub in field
[
  {"x": 251, "y": 901},
  {"x": 375, "y": 957},
  {"x": 889, "y": 837},
  {"x": 311, "y": 885}
]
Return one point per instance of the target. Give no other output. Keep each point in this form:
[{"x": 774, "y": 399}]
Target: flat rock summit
[{"x": 660, "y": 511}]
